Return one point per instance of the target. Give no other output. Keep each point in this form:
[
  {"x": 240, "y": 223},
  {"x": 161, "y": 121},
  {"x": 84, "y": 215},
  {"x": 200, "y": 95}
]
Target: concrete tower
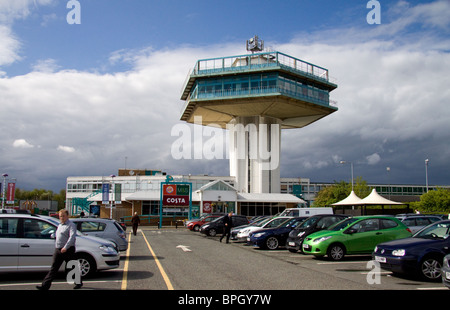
[{"x": 254, "y": 96}]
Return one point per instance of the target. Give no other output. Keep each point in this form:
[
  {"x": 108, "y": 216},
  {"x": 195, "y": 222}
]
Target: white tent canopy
[
  {"x": 375, "y": 199},
  {"x": 351, "y": 200}
]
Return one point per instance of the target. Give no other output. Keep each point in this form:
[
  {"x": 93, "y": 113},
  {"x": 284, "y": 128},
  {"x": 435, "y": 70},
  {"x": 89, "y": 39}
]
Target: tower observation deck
[{"x": 254, "y": 96}]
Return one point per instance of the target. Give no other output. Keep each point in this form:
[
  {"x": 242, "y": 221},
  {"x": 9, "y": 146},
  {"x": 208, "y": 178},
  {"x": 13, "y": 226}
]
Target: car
[
  {"x": 108, "y": 229},
  {"x": 416, "y": 222},
  {"x": 355, "y": 235},
  {"x": 446, "y": 271},
  {"x": 217, "y": 227},
  {"x": 256, "y": 222},
  {"x": 243, "y": 234},
  {"x": 186, "y": 221},
  {"x": 272, "y": 238},
  {"x": 312, "y": 224},
  {"x": 196, "y": 224},
  {"x": 421, "y": 255},
  {"x": 27, "y": 243}
]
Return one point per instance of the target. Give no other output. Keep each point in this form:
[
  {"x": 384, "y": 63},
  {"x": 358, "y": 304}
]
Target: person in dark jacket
[
  {"x": 227, "y": 222},
  {"x": 135, "y": 221}
]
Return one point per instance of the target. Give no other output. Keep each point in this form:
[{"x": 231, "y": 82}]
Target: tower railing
[{"x": 259, "y": 61}]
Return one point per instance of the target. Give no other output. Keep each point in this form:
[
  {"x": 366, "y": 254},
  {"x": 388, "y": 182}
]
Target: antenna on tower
[{"x": 255, "y": 44}]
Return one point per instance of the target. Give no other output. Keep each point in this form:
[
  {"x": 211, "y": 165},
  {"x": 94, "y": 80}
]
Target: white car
[
  {"x": 275, "y": 222},
  {"x": 27, "y": 244}
]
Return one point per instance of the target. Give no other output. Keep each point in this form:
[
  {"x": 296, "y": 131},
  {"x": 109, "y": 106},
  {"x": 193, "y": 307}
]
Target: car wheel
[
  {"x": 196, "y": 228},
  {"x": 272, "y": 243},
  {"x": 336, "y": 252},
  {"x": 87, "y": 265},
  {"x": 212, "y": 232},
  {"x": 430, "y": 268}
]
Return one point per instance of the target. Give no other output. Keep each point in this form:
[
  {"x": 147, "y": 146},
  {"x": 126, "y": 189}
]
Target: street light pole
[
  {"x": 112, "y": 195},
  {"x": 351, "y": 167},
  {"x": 426, "y": 173}
]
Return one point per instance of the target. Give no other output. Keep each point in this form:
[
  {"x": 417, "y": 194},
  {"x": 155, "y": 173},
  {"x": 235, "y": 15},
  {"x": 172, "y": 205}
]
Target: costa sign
[{"x": 175, "y": 194}]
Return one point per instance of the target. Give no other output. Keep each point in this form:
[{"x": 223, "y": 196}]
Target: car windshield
[
  {"x": 434, "y": 231},
  {"x": 308, "y": 223},
  {"x": 261, "y": 222},
  {"x": 342, "y": 224},
  {"x": 218, "y": 219},
  {"x": 275, "y": 222},
  {"x": 293, "y": 223}
]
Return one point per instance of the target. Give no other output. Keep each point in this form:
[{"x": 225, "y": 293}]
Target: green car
[{"x": 355, "y": 235}]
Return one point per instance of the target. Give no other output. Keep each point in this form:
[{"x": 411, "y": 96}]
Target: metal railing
[{"x": 258, "y": 61}]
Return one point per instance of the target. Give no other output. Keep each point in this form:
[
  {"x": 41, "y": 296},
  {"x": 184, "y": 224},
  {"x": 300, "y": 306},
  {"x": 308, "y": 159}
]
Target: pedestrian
[
  {"x": 227, "y": 220},
  {"x": 64, "y": 249},
  {"x": 135, "y": 221}
]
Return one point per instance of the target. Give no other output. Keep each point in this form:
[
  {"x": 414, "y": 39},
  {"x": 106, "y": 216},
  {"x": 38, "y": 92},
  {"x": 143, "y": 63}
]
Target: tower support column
[{"x": 254, "y": 146}]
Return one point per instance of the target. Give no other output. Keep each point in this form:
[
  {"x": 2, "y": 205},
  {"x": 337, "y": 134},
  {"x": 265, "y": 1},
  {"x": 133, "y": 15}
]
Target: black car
[
  {"x": 312, "y": 224},
  {"x": 272, "y": 238},
  {"x": 217, "y": 227},
  {"x": 422, "y": 254}
]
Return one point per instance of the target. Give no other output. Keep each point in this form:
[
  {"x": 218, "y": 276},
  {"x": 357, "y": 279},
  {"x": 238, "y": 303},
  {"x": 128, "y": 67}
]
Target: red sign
[
  {"x": 207, "y": 208},
  {"x": 175, "y": 195},
  {"x": 10, "y": 193},
  {"x": 173, "y": 200},
  {"x": 169, "y": 189}
]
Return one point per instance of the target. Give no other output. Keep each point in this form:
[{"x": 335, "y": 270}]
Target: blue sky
[{"x": 78, "y": 99}]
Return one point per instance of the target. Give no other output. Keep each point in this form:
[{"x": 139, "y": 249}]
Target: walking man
[
  {"x": 227, "y": 221},
  {"x": 64, "y": 249},
  {"x": 135, "y": 221}
]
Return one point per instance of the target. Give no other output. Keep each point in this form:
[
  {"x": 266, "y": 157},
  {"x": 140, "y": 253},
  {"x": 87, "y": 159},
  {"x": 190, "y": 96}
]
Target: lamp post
[
  {"x": 112, "y": 195},
  {"x": 4, "y": 189},
  {"x": 351, "y": 166},
  {"x": 426, "y": 173}
]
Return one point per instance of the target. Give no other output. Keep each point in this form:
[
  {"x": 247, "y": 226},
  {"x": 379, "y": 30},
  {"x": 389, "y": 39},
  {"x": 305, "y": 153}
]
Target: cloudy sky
[{"x": 87, "y": 98}]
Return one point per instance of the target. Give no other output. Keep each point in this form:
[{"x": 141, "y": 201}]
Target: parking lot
[{"x": 179, "y": 259}]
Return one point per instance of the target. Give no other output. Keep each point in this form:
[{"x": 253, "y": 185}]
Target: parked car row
[
  {"x": 388, "y": 239},
  {"x": 27, "y": 243}
]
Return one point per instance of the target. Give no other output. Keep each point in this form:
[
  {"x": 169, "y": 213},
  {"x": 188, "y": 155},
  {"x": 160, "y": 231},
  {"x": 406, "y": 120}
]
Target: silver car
[
  {"x": 103, "y": 228},
  {"x": 27, "y": 244},
  {"x": 417, "y": 222}
]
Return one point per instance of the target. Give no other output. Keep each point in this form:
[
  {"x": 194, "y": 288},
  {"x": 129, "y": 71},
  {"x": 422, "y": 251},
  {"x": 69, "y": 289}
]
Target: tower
[{"x": 254, "y": 96}]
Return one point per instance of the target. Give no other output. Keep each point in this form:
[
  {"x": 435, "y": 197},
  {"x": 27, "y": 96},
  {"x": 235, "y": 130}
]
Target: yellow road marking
[
  {"x": 161, "y": 269},
  {"x": 125, "y": 267}
]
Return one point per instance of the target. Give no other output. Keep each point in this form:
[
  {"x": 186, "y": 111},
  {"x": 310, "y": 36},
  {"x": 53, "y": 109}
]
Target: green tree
[
  {"x": 435, "y": 201},
  {"x": 339, "y": 191}
]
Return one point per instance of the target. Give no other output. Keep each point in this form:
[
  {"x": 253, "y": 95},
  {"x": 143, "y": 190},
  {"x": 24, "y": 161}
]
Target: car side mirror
[{"x": 351, "y": 231}]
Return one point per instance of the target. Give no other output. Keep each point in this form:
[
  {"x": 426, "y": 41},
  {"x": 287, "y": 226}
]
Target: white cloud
[
  {"x": 46, "y": 65},
  {"x": 373, "y": 159},
  {"x": 66, "y": 149},
  {"x": 22, "y": 143}
]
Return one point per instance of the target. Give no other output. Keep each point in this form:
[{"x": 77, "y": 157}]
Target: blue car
[
  {"x": 272, "y": 238},
  {"x": 422, "y": 254}
]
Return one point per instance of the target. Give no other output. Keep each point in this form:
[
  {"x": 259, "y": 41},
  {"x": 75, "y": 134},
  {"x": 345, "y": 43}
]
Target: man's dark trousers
[{"x": 58, "y": 259}]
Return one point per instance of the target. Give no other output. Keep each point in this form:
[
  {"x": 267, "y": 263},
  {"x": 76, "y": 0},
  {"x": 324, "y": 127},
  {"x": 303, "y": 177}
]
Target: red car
[{"x": 196, "y": 224}]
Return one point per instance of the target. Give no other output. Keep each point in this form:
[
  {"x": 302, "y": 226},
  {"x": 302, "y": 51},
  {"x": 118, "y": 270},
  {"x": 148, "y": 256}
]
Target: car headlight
[
  {"x": 446, "y": 261},
  {"x": 258, "y": 235},
  {"x": 399, "y": 252},
  {"x": 321, "y": 239},
  {"x": 205, "y": 226},
  {"x": 107, "y": 248},
  {"x": 300, "y": 234}
]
